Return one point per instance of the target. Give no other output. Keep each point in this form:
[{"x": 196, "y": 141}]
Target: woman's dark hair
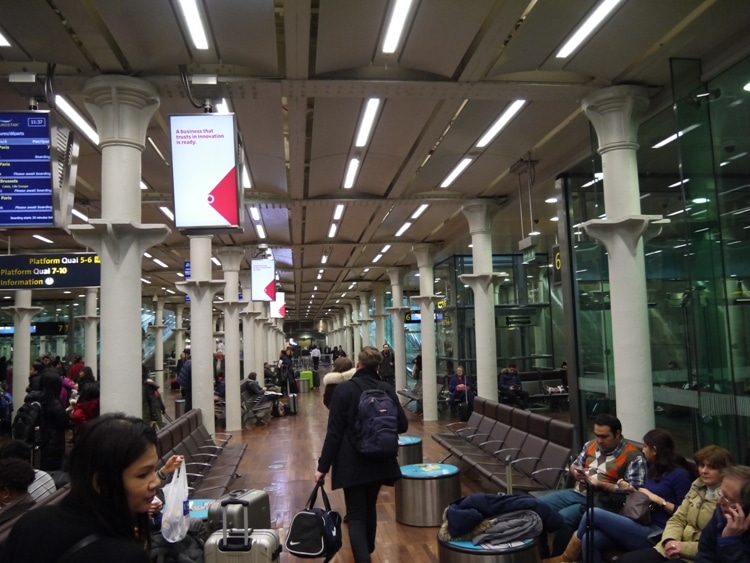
[
  {"x": 15, "y": 474},
  {"x": 50, "y": 385},
  {"x": 86, "y": 377},
  {"x": 666, "y": 457},
  {"x": 715, "y": 456},
  {"x": 88, "y": 392},
  {"x": 108, "y": 446}
]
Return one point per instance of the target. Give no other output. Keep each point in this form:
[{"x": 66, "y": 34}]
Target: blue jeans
[
  {"x": 570, "y": 505},
  {"x": 612, "y": 531}
]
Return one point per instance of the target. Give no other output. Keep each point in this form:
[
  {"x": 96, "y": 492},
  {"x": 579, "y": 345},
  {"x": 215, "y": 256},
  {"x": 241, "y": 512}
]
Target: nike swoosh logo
[{"x": 295, "y": 542}]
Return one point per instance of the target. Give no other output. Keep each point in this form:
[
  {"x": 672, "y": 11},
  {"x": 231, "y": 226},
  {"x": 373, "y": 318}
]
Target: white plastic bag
[{"x": 176, "y": 516}]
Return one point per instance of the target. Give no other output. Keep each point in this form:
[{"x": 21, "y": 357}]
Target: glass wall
[{"x": 693, "y": 167}]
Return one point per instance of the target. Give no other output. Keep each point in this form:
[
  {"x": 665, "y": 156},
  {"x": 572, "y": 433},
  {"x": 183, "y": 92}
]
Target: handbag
[
  {"x": 175, "y": 519},
  {"x": 315, "y": 532},
  {"x": 637, "y": 507}
]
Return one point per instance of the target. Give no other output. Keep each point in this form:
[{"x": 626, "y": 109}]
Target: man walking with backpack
[{"x": 361, "y": 444}]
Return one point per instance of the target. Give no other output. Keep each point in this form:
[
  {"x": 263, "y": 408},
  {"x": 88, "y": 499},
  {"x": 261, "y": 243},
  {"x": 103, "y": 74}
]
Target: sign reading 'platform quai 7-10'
[
  {"x": 49, "y": 271},
  {"x": 204, "y": 171}
]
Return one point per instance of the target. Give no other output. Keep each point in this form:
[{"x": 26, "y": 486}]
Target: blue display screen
[{"x": 25, "y": 170}]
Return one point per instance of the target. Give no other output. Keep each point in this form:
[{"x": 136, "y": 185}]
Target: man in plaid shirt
[{"x": 601, "y": 464}]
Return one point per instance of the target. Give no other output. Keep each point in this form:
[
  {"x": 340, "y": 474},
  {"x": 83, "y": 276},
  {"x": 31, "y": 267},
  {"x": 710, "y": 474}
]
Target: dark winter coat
[
  {"x": 350, "y": 468},
  {"x": 55, "y": 421},
  {"x": 185, "y": 377},
  {"x": 713, "y": 547},
  {"x": 465, "y": 514}
]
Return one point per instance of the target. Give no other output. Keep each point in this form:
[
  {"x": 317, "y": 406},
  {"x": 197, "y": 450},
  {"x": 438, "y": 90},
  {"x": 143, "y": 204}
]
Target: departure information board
[
  {"x": 49, "y": 271},
  {"x": 25, "y": 170}
]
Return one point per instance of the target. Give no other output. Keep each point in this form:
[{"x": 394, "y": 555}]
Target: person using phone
[{"x": 601, "y": 463}]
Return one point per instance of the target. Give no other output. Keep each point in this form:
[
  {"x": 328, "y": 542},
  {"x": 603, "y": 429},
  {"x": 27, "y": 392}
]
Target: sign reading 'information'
[{"x": 49, "y": 271}]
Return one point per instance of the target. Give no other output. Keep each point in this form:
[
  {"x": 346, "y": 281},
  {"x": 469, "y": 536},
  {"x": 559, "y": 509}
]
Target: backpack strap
[{"x": 78, "y": 546}]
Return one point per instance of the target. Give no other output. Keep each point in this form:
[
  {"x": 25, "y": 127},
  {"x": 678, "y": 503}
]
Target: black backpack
[
  {"x": 27, "y": 424},
  {"x": 376, "y": 427}
]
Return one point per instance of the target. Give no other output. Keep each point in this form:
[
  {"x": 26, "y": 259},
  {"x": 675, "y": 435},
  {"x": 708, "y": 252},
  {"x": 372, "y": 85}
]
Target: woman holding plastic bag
[
  {"x": 105, "y": 516},
  {"x": 175, "y": 518}
]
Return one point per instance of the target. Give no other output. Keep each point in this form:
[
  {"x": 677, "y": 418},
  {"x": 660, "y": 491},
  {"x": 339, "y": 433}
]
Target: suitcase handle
[{"x": 246, "y": 544}]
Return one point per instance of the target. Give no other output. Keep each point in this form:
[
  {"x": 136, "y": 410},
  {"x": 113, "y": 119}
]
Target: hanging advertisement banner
[
  {"x": 204, "y": 171},
  {"x": 262, "y": 280},
  {"x": 278, "y": 307}
]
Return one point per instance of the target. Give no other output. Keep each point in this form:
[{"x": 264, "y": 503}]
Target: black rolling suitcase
[
  {"x": 258, "y": 512},
  {"x": 292, "y": 406},
  {"x": 316, "y": 379},
  {"x": 241, "y": 545}
]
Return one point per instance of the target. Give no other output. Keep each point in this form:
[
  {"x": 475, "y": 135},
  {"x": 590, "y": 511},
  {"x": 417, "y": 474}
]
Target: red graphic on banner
[
  {"x": 223, "y": 198},
  {"x": 271, "y": 290},
  {"x": 282, "y": 311}
]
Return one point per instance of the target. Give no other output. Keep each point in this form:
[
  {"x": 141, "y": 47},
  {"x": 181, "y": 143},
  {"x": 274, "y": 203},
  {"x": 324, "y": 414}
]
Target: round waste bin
[
  {"x": 303, "y": 385},
  {"x": 423, "y": 492},
  {"x": 409, "y": 450},
  {"x": 179, "y": 408},
  {"x": 521, "y": 551}
]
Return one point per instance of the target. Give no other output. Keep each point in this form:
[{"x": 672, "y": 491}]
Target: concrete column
[
  {"x": 251, "y": 352},
  {"x": 398, "y": 346},
  {"x": 22, "y": 312},
  {"x": 158, "y": 329},
  {"x": 614, "y": 112},
  {"x": 262, "y": 346},
  {"x": 179, "y": 332},
  {"x": 347, "y": 333},
  {"x": 482, "y": 282},
  {"x": 231, "y": 259},
  {"x": 364, "y": 302},
  {"x": 90, "y": 320},
  {"x": 121, "y": 107},
  {"x": 378, "y": 293},
  {"x": 201, "y": 288},
  {"x": 426, "y": 300}
]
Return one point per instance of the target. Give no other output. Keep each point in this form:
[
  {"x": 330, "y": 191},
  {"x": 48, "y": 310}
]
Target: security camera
[{"x": 729, "y": 145}]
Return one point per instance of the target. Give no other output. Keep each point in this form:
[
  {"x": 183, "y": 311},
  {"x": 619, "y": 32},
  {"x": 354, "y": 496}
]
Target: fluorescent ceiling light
[
  {"x": 385, "y": 249},
  {"x": 676, "y": 213},
  {"x": 194, "y": 23},
  {"x": 403, "y": 229},
  {"x": 80, "y": 215},
  {"x": 500, "y": 123},
  {"x": 261, "y": 231},
  {"x": 456, "y": 172},
  {"x": 144, "y": 280},
  {"x": 43, "y": 239},
  {"x": 168, "y": 212},
  {"x": 421, "y": 209},
  {"x": 378, "y": 257},
  {"x": 215, "y": 260},
  {"x": 320, "y": 276},
  {"x": 351, "y": 173},
  {"x": 76, "y": 119},
  {"x": 679, "y": 183},
  {"x": 223, "y": 106},
  {"x": 351, "y": 285},
  {"x": 161, "y": 154},
  {"x": 144, "y": 185},
  {"x": 338, "y": 212},
  {"x": 598, "y": 177},
  {"x": 368, "y": 119},
  {"x": 332, "y": 230},
  {"x": 169, "y": 291},
  {"x": 674, "y": 137},
  {"x": 254, "y": 213},
  {"x": 147, "y": 255},
  {"x": 700, "y": 200},
  {"x": 246, "y": 183},
  {"x": 343, "y": 294},
  {"x": 3, "y": 41},
  {"x": 552, "y": 199},
  {"x": 180, "y": 275},
  {"x": 366, "y": 270},
  {"x": 534, "y": 233},
  {"x": 160, "y": 263},
  {"x": 324, "y": 259},
  {"x": 396, "y": 26},
  {"x": 555, "y": 218},
  {"x": 587, "y": 27}
]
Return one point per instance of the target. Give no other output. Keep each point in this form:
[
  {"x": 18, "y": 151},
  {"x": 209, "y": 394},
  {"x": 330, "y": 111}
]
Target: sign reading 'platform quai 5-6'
[{"x": 49, "y": 271}]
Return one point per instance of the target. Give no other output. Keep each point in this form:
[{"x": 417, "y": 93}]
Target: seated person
[
  {"x": 460, "y": 389},
  {"x": 252, "y": 384},
  {"x": 667, "y": 483},
  {"x": 509, "y": 387},
  {"x": 43, "y": 484},
  {"x": 15, "y": 478},
  {"x": 220, "y": 389},
  {"x": 726, "y": 538},
  {"x": 679, "y": 540}
]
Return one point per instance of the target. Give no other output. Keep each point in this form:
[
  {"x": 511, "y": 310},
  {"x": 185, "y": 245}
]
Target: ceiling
[{"x": 298, "y": 74}]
